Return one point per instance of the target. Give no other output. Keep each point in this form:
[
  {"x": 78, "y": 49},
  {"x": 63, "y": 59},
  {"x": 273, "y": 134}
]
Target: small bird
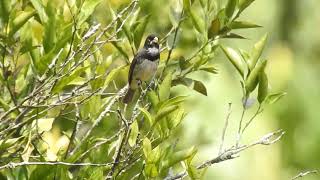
[{"x": 143, "y": 67}]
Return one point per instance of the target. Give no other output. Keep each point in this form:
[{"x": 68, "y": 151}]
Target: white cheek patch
[{"x": 153, "y": 50}]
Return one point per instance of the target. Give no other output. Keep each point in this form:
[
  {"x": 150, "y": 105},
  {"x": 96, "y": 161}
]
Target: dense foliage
[{"x": 63, "y": 74}]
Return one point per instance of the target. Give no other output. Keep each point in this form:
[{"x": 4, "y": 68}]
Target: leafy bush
[{"x": 63, "y": 74}]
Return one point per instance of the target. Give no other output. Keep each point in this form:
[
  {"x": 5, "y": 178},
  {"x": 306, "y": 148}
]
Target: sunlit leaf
[
  {"x": 133, "y": 133},
  {"x": 257, "y": 51},
  {"x": 87, "y": 9},
  {"x": 20, "y": 20},
  {"x": 67, "y": 79},
  {"x": 234, "y": 58},
  {"x": 252, "y": 80},
  {"x": 147, "y": 148},
  {"x": 43, "y": 124},
  {"x": 147, "y": 115},
  {"x": 273, "y": 98},
  {"x": 179, "y": 156}
]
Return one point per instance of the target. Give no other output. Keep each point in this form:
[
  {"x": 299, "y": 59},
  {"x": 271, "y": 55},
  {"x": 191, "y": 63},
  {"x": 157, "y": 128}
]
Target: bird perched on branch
[{"x": 144, "y": 66}]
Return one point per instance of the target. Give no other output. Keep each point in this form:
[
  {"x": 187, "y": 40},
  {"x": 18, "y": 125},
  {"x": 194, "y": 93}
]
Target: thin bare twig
[
  {"x": 234, "y": 151},
  {"x": 12, "y": 165},
  {"x": 225, "y": 128},
  {"x": 302, "y": 174}
]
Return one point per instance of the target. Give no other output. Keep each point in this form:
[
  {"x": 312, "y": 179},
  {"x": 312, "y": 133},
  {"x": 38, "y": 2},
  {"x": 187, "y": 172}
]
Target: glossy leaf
[
  {"x": 147, "y": 115},
  {"x": 257, "y": 51},
  {"x": 272, "y": 98},
  {"x": 198, "y": 22},
  {"x": 37, "y": 4},
  {"x": 234, "y": 58},
  {"x": 263, "y": 87},
  {"x": 252, "y": 80},
  {"x": 133, "y": 133}
]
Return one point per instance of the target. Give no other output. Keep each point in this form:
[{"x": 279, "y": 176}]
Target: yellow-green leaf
[
  {"x": 257, "y": 51},
  {"x": 133, "y": 133},
  {"x": 20, "y": 20},
  {"x": 263, "y": 87},
  {"x": 234, "y": 58},
  {"x": 252, "y": 80}
]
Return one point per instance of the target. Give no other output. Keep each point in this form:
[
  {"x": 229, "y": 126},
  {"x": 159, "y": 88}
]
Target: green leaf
[
  {"x": 263, "y": 87},
  {"x": 164, "y": 87},
  {"x": 151, "y": 170},
  {"x": 139, "y": 31},
  {"x": 4, "y": 105},
  {"x": 7, "y": 143},
  {"x": 67, "y": 79},
  {"x": 252, "y": 80},
  {"x": 147, "y": 148},
  {"x": 243, "y": 25},
  {"x": 175, "y": 12},
  {"x": 231, "y": 7},
  {"x": 5, "y": 8},
  {"x": 50, "y": 28},
  {"x": 37, "y": 4},
  {"x": 214, "y": 28},
  {"x": 234, "y": 58},
  {"x": 186, "y": 4},
  {"x": 120, "y": 49},
  {"x": 173, "y": 101},
  {"x": 153, "y": 98},
  {"x": 133, "y": 133},
  {"x": 272, "y": 98},
  {"x": 233, "y": 36},
  {"x": 147, "y": 115},
  {"x": 209, "y": 68},
  {"x": 257, "y": 51},
  {"x": 113, "y": 73},
  {"x": 164, "y": 112},
  {"x": 200, "y": 87},
  {"x": 43, "y": 124},
  {"x": 198, "y": 22},
  {"x": 87, "y": 9},
  {"x": 243, "y": 4},
  {"x": 176, "y": 118},
  {"x": 20, "y": 20},
  {"x": 179, "y": 156}
]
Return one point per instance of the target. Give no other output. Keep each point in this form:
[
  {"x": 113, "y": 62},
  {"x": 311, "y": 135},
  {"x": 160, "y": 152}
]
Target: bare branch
[{"x": 302, "y": 174}]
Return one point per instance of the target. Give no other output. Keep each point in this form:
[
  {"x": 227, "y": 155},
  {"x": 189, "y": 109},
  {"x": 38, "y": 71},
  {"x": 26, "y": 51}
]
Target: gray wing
[{"x": 138, "y": 58}]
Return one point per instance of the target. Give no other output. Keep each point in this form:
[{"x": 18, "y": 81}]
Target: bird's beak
[{"x": 155, "y": 40}]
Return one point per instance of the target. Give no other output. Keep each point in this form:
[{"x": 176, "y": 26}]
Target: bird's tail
[{"x": 128, "y": 97}]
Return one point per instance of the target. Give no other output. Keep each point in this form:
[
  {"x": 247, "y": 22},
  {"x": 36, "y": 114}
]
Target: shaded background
[{"x": 293, "y": 51}]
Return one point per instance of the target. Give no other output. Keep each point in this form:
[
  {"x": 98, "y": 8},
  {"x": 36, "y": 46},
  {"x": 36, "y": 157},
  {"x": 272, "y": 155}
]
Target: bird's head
[{"x": 152, "y": 41}]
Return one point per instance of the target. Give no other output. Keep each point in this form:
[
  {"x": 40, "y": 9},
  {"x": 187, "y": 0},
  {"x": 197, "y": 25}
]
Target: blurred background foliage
[{"x": 293, "y": 51}]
